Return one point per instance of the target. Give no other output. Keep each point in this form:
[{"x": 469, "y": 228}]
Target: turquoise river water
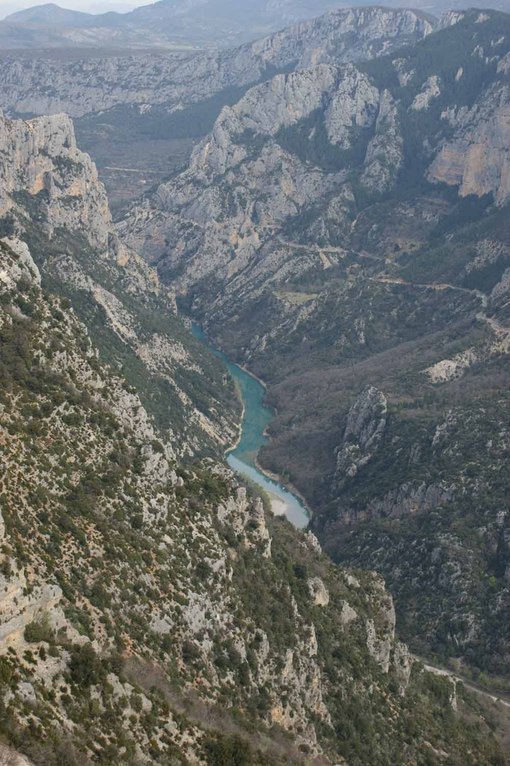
[{"x": 243, "y": 457}]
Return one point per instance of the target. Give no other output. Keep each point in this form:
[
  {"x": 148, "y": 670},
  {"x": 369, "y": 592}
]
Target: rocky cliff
[
  {"x": 44, "y": 86},
  {"x": 345, "y": 227},
  {"x": 52, "y": 198},
  {"x": 319, "y": 140},
  {"x": 132, "y": 630},
  {"x": 40, "y": 157}
]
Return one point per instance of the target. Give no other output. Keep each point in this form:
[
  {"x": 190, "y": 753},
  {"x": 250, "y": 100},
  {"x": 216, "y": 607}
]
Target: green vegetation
[{"x": 308, "y": 140}]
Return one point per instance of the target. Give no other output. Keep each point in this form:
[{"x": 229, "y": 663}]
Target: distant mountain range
[
  {"x": 171, "y": 23},
  {"x": 162, "y": 24}
]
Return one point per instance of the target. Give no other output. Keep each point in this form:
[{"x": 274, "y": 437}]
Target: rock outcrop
[
  {"x": 50, "y": 192},
  {"x": 40, "y": 157},
  {"x": 476, "y": 158},
  {"x": 364, "y": 430},
  {"x": 29, "y": 86}
]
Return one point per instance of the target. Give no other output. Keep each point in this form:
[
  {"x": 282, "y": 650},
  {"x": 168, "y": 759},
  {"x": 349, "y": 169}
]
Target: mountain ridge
[
  {"x": 359, "y": 240},
  {"x": 132, "y": 630}
]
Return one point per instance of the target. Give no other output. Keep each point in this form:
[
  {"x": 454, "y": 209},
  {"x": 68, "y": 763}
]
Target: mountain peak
[{"x": 49, "y": 13}]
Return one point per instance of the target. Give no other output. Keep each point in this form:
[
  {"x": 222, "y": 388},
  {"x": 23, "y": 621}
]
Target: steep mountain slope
[
  {"x": 132, "y": 629},
  {"x": 164, "y": 24},
  {"x": 52, "y": 198},
  {"x": 136, "y": 111},
  {"x": 343, "y": 231},
  {"x": 44, "y": 86}
]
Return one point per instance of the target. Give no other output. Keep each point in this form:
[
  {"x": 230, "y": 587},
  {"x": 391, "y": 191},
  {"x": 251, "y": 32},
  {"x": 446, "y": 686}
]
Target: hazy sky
[{"x": 91, "y": 6}]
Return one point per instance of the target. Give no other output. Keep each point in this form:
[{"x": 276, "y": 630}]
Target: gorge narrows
[{"x": 242, "y": 458}]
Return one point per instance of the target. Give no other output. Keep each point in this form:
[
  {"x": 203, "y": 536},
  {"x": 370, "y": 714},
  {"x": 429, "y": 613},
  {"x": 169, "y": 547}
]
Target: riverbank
[
  {"x": 290, "y": 486},
  {"x": 242, "y": 456}
]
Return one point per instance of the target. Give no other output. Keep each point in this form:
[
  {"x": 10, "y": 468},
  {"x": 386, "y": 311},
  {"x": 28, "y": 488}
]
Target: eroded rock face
[
  {"x": 477, "y": 158},
  {"x": 380, "y": 634},
  {"x": 243, "y": 181},
  {"x": 411, "y": 499},
  {"x": 50, "y": 190},
  {"x": 24, "y": 266},
  {"x": 17, "y": 610},
  {"x": 318, "y": 591},
  {"x": 40, "y": 158},
  {"x": 45, "y": 87},
  {"x": 431, "y": 89},
  {"x": 364, "y": 430},
  {"x": 385, "y": 153},
  {"x": 283, "y": 167}
]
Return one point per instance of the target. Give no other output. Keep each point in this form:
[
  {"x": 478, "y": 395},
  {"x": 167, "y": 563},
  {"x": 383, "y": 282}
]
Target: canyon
[{"x": 338, "y": 227}]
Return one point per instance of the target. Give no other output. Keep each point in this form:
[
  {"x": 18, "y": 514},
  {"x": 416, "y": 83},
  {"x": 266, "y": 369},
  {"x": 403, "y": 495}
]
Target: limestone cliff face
[
  {"x": 364, "y": 430},
  {"x": 50, "y": 195},
  {"x": 40, "y": 158},
  {"x": 281, "y": 185},
  {"x": 243, "y": 181},
  {"x": 477, "y": 159},
  {"x": 45, "y": 86}
]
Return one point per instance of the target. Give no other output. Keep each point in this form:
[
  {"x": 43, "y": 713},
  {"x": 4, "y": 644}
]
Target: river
[{"x": 243, "y": 457}]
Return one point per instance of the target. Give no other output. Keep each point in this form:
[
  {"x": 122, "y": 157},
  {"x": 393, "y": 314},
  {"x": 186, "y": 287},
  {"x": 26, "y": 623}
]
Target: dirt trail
[
  {"x": 321, "y": 251},
  {"x": 439, "y": 286},
  {"x": 494, "y": 695}
]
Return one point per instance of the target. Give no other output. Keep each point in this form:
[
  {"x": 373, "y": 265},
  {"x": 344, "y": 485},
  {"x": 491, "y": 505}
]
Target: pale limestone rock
[
  {"x": 379, "y": 648},
  {"x": 161, "y": 624},
  {"x": 430, "y": 90},
  {"x": 26, "y": 262},
  {"x": 410, "y": 498},
  {"x": 352, "y": 580},
  {"x": 233, "y": 511},
  {"x": 257, "y": 527},
  {"x": 26, "y": 692},
  {"x": 355, "y": 104},
  {"x": 47, "y": 86},
  {"x": 381, "y": 630},
  {"x": 366, "y": 423},
  {"x": 312, "y": 542},
  {"x": 385, "y": 152},
  {"x": 348, "y": 614},
  {"x": 18, "y": 609},
  {"x": 402, "y": 665},
  {"x": 237, "y": 237},
  {"x": 477, "y": 158},
  {"x": 404, "y": 71},
  {"x": 41, "y": 156},
  {"x": 451, "y": 369},
  {"x": 9, "y": 757},
  {"x": 318, "y": 591}
]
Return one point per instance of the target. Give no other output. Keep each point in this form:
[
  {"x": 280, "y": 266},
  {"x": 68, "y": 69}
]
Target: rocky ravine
[
  {"x": 132, "y": 629},
  {"x": 344, "y": 227}
]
